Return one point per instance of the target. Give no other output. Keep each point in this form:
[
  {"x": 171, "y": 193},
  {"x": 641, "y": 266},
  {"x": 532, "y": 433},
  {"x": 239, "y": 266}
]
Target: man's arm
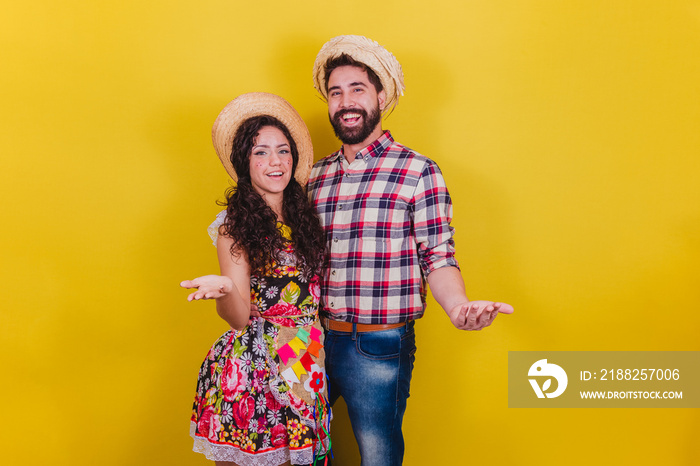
[
  {"x": 447, "y": 286},
  {"x": 432, "y": 217}
]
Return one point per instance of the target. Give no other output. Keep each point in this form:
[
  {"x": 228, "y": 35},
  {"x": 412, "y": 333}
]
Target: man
[{"x": 387, "y": 212}]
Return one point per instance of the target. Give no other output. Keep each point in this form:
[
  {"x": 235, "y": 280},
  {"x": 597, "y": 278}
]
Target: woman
[{"x": 261, "y": 394}]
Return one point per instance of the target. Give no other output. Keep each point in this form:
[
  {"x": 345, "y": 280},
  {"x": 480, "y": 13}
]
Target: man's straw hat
[
  {"x": 366, "y": 51},
  {"x": 255, "y": 104}
]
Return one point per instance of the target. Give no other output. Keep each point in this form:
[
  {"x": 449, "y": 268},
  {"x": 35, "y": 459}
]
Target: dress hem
[{"x": 276, "y": 457}]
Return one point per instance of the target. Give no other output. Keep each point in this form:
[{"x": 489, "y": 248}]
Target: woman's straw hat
[
  {"x": 255, "y": 104},
  {"x": 366, "y": 51}
]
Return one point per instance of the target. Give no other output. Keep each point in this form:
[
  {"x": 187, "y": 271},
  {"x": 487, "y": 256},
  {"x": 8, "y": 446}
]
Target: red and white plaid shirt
[{"x": 387, "y": 219}]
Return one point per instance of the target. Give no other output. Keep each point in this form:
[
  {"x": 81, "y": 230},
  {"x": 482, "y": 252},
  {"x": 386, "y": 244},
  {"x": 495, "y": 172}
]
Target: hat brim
[
  {"x": 255, "y": 104},
  {"x": 366, "y": 51}
]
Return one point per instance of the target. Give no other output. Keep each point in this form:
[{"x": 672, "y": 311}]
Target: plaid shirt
[{"x": 387, "y": 220}]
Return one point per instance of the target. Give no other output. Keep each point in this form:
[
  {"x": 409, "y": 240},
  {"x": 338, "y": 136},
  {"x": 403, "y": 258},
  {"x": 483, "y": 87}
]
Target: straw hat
[
  {"x": 254, "y": 104},
  {"x": 366, "y": 51}
]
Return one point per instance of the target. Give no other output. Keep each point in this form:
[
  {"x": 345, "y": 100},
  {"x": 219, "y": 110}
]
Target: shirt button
[
  {"x": 335, "y": 240},
  {"x": 333, "y": 272},
  {"x": 340, "y": 207},
  {"x": 332, "y": 304}
]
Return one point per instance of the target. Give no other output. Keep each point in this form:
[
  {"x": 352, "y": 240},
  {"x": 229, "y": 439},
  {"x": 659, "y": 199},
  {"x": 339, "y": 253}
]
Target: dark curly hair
[{"x": 252, "y": 224}]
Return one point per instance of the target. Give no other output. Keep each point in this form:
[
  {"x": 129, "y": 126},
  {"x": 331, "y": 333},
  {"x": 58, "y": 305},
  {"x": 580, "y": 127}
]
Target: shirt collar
[{"x": 375, "y": 149}]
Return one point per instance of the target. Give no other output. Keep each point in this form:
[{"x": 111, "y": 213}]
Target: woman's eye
[{"x": 260, "y": 152}]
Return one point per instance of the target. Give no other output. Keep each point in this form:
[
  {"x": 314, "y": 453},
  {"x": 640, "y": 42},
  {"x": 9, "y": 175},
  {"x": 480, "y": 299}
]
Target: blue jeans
[{"x": 372, "y": 372}]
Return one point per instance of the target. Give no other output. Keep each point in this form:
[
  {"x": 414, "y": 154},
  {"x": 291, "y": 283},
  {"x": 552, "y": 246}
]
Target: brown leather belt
[{"x": 339, "y": 326}]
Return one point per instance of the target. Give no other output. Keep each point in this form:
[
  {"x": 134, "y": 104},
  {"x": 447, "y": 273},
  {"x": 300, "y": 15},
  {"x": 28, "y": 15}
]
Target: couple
[{"x": 360, "y": 267}]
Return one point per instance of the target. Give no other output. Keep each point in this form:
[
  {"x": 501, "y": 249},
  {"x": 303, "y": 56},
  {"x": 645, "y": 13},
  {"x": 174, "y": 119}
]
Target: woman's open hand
[{"x": 208, "y": 287}]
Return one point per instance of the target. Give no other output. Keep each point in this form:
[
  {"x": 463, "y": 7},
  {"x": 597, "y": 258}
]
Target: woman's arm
[
  {"x": 231, "y": 289},
  {"x": 234, "y": 306}
]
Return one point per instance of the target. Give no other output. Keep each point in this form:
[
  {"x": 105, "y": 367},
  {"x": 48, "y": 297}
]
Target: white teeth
[
  {"x": 275, "y": 174},
  {"x": 348, "y": 116}
]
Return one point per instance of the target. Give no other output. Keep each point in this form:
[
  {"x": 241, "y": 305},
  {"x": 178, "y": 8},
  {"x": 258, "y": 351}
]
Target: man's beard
[{"x": 355, "y": 135}]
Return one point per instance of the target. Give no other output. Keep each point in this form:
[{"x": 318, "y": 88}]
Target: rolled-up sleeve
[{"x": 432, "y": 214}]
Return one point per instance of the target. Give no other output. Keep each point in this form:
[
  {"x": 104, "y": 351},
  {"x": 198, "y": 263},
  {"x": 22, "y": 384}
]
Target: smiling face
[
  {"x": 354, "y": 106},
  {"x": 271, "y": 163}
]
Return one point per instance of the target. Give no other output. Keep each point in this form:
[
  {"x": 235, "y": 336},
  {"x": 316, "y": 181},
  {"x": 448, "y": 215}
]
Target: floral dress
[{"x": 262, "y": 391}]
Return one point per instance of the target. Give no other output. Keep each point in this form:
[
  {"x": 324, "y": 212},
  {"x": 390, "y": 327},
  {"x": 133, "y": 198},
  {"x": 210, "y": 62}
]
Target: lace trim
[
  {"x": 213, "y": 229},
  {"x": 215, "y": 452}
]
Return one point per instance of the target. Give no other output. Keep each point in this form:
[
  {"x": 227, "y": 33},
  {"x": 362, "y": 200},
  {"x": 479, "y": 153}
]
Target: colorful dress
[{"x": 262, "y": 391}]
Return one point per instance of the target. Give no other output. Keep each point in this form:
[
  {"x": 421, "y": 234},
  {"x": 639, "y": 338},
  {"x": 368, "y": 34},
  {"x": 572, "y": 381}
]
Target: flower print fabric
[{"x": 261, "y": 396}]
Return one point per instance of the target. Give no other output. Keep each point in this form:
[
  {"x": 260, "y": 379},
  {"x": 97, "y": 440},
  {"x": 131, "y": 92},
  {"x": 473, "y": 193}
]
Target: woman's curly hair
[{"x": 252, "y": 224}]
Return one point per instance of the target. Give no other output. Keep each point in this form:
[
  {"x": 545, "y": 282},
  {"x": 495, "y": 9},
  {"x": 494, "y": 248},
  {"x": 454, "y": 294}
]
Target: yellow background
[{"x": 568, "y": 132}]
